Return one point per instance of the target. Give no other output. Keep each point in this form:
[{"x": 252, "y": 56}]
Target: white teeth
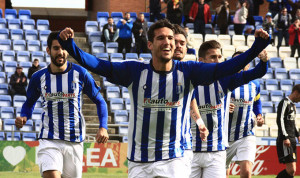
[{"x": 166, "y": 49}]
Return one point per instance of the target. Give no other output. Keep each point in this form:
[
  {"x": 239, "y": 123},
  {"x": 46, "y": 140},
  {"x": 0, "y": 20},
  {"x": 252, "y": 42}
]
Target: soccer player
[
  {"x": 287, "y": 131},
  {"x": 209, "y": 157},
  {"x": 62, "y": 132},
  {"x": 160, "y": 95},
  {"x": 242, "y": 141}
]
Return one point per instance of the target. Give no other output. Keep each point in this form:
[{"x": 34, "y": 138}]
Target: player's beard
[{"x": 53, "y": 60}]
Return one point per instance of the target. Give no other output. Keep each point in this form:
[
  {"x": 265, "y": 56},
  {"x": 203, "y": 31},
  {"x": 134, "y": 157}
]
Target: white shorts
[
  {"x": 209, "y": 164},
  {"x": 243, "y": 149},
  {"x": 65, "y": 157},
  {"x": 172, "y": 168},
  {"x": 188, "y": 155}
]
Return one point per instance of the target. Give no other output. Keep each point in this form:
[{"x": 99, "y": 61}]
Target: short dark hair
[
  {"x": 237, "y": 53},
  {"x": 36, "y": 60},
  {"x": 109, "y": 17},
  {"x": 52, "y": 36},
  {"x": 159, "y": 24},
  {"x": 179, "y": 30},
  {"x": 296, "y": 88},
  {"x": 212, "y": 44}
]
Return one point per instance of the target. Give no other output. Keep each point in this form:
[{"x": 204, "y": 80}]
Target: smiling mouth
[{"x": 166, "y": 49}]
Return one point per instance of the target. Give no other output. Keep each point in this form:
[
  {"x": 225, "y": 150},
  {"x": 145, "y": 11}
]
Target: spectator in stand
[
  {"x": 240, "y": 17},
  {"x": 140, "y": 29},
  {"x": 18, "y": 82},
  {"x": 294, "y": 40},
  {"x": 155, "y": 8},
  {"x": 296, "y": 16},
  {"x": 222, "y": 17},
  {"x": 200, "y": 15},
  {"x": 35, "y": 67},
  {"x": 125, "y": 35},
  {"x": 187, "y": 4},
  {"x": 295, "y": 7},
  {"x": 174, "y": 11},
  {"x": 274, "y": 8},
  {"x": 282, "y": 22},
  {"x": 269, "y": 26},
  {"x": 110, "y": 33}
]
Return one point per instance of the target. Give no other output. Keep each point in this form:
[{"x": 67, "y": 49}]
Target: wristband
[{"x": 199, "y": 122}]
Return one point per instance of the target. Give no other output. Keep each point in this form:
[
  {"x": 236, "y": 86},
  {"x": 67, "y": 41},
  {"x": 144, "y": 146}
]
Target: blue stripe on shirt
[
  {"x": 49, "y": 106},
  {"x": 175, "y": 97},
  {"x": 60, "y": 107},
  {"x": 71, "y": 106},
  {"x": 219, "y": 115},
  {"x": 210, "y": 123}
]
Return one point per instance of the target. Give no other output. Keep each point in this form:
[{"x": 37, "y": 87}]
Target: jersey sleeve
[
  {"x": 32, "y": 95},
  {"x": 119, "y": 72},
  {"x": 93, "y": 92},
  {"x": 215, "y": 71},
  {"x": 257, "y": 108}
]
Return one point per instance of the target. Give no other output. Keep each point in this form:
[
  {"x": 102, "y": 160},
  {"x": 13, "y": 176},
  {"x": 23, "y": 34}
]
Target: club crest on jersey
[
  {"x": 179, "y": 88},
  {"x": 73, "y": 85},
  {"x": 221, "y": 94}
]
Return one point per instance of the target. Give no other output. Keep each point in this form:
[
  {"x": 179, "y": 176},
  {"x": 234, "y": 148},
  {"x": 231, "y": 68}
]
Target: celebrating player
[
  {"x": 160, "y": 93},
  {"x": 62, "y": 132}
]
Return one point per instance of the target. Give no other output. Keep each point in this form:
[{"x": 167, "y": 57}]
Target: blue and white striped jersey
[
  {"x": 61, "y": 95},
  {"x": 246, "y": 99},
  {"x": 159, "y": 100},
  {"x": 213, "y": 102}
]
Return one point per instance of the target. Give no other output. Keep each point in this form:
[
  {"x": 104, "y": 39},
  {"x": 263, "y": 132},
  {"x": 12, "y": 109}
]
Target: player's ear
[
  {"x": 48, "y": 50},
  {"x": 150, "y": 45},
  {"x": 201, "y": 59}
]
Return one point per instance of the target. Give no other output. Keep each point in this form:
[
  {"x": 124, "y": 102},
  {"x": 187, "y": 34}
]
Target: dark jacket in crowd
[{"x": 32, "y": 70}]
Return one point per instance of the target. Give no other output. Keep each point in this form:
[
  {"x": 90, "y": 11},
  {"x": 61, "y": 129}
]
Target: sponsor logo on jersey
[
  {"x": 241, "y": 102},
  {"x": 160, "y": 104},
  {"x": 209, "y": 108},
  {"x": 59, "y": 96}
]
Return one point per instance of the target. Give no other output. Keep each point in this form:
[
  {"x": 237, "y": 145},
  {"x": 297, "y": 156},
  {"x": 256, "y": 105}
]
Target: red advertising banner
[{"x": 266, "y": 162}]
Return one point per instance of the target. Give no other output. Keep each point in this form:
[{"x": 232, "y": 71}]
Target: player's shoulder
[
  {"x": 255, "y": 82},
  {"x": 39, "y": 73},
  {"x": 79, "y": 69}
]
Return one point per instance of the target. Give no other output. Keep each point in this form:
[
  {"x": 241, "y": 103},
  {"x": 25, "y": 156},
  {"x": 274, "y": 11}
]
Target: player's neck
[
  {"x": 162, "y": 65},
  {"x": 58, "y": 69}
]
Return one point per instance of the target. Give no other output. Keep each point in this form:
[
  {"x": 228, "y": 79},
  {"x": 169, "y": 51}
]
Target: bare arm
[{"x": 197, "y": 118}]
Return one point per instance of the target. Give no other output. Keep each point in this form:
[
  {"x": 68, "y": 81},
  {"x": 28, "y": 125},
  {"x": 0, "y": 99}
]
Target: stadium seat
[
  {"x": 238, "y": 40},
  {"x": 18, "y": 111},
  {"x": 112, "y": 47},
  {"x": 102, "y": 17},
  {"x": 37, "y": 114},
  {"x": 208, "y": 28},
  {"x": 276, "y": 62},
  {"x": 4, "y": 34},
  {"x": 33, "y": 45},
  {"x": 123, "y": 130},
  {"x": 272, "y": 84},
  {"x": 269, "y": 74},
  {"x": 116, "y": 16},
  {"x": 294, "y": 74},
  {"x": 28, "y": 126},
  {"x": 44, "y": 46},
  {"x": 7, "y": 113},
  {"x": 94, "y": 37},
  {"x": 115, "y": 57},
  {"x": 258, "y": 20},
  {"x": 112, "y": 92},
  {"x": 133, "y": 16},
  {"x": 272, "y": 51},
  {"x": 131, "y": 56},
  {"x": 40, "y": 55},
  {"x": 8, "y": 75},
  {"x": 224, "y": 40},
  {"x": 42, "y": 24},
  {"x": 31, "y": 35},
  {"x": 274, "y": 130},
  {"x": 287, "y": 93},
  {"x": 38, "y": 103},
  {"x": 264, "y": 95},
  {"x": 5, "y": 45},
  {"x": 24, "y": 14},
  {"x": 10, "y": 66},
  {"x": 9, "y": 124},
  {"x": 262, "y": 84},
  {"x": 10, "y": 13},
  {"x": 124, "y": 139},
  {"x": 28, "y": 24},
  {"x": 16, "y": 34},
  {"x": 125, "y": 93},
  {"x": 228, "y": 50},
  {"x": 262, "y": 131},
  {"x": 209, "y": 37},
  {"x": 247, "y": 28},
  {"x": 26, "y": 65},
  {"x": 97, "y": 47},
  {"x": 37, "y": 125},
  {"x": 286, "y": 84},
  {"x": 19, "y": 45},
  {"x": 267, "y": 107},
  {"x": 23, "y": 56},
  {"x": 107, "y": 83},
  {"x": 31, "y": 136},
  {"x": 290, "y": 63},
  {"x": 103, "y": 56},
  {"x": 127, "y": 104},
  {"x": 8, "y": 56},
  {"x": 2, "y": 135},
  {"x": 297, "y": 108},
  {"x": 147, "y": 16},
  {"x": 17, "y": 136},
  {"x": 2, "y": 78},
  {"x": 91, "y": 26},
  {"x": 241, "y": 48},
  {"x": 284, "y": 52},
  {"x": 190, "y": 57},
  {"x": 3, "y": 23},
  {"x": 276, "y": 95},
  {"x": 146, "y": 56},
  {"x": 116, "y": 104},
  {"x": 18, "y": 100},
  {"x": 270, "y": 119},
  {"x": 43, "y": 64},
  {"x": 281, "y": 73},
  {"x": 250, "y": 40},
  {"x": 43, "y": 35},
  {"x": 121, "y": 116},
  {"x": 14, "y": 24}
]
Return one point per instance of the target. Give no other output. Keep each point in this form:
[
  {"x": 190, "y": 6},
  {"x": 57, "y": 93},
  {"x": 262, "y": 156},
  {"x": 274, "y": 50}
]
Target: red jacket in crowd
[
  {"x": 194, "y": 11},
  {"x": 293, "y": 32}
]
